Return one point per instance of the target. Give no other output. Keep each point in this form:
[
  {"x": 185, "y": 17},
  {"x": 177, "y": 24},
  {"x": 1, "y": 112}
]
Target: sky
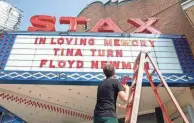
[{"x": 55, "y": 8}]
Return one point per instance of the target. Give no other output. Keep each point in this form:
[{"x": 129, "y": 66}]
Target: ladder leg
[
  {"x": 129, "y": 105},
  {"x": 166, "y": 117},
  {"x": 137, "y": 91},
  {"x": 169, "y": 91},
  {"x": 133, "y": 100}
]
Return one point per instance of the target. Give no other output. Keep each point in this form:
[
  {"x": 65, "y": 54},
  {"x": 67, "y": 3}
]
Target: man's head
[{"x": 109, "y": 70}]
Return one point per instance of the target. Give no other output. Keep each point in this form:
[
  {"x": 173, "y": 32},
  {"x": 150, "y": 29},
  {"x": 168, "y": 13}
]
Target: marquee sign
[
  {"x": 46, "y": 23},
  {"x": 78, "y": 58}
]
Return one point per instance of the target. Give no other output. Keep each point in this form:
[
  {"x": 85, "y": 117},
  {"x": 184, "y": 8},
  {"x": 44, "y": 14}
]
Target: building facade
[{"x": 171, "y": 18}]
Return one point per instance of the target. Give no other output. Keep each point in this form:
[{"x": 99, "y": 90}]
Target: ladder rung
[
  {"x": 136, "y": 70},
  {"x": 133, "y": 83},
  {"x": 134, "y": 77},
  {"x": 146, "y": 66},
  {"x": 153, "y": 72},
  {"x": 159, "y": 85},
  {"x": 137, "y": 61},
  {"x": 131, "y": 96}
]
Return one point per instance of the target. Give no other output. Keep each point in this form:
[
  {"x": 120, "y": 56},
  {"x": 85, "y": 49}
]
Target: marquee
[{"x": 78, "y": 58}]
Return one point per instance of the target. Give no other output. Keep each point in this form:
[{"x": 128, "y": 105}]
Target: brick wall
[{"x": 172, "y": 19}]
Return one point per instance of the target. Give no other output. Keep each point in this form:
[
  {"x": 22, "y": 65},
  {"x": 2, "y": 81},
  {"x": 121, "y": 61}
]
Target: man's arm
[
  {"x": 123, "y": 95},
  {"x": 121, "y": 106}
]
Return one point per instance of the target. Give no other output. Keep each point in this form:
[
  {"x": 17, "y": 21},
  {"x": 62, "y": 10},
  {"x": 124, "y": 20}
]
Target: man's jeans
[{"x": 105, "y": 120}]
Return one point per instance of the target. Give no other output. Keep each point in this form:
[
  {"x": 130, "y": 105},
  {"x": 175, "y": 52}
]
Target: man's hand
[
  {"x": 121, "y": 106},
  {"x": 126, "y": 87}
]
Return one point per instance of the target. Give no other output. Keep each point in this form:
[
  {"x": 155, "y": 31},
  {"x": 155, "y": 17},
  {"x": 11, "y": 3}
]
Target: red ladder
[{"x": 135, "y": 91}]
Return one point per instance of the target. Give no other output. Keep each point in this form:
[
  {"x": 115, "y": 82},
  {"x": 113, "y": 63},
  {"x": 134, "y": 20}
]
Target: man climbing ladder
[{"x": 108, "y": 90}]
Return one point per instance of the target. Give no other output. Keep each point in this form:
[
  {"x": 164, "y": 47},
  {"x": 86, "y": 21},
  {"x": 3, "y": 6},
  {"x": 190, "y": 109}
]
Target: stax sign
[{"x": 47, "y": 24}]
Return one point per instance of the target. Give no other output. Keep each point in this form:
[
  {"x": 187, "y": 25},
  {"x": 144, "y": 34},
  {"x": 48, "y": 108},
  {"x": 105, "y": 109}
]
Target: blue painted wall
[{"x": 8, "y": 117}]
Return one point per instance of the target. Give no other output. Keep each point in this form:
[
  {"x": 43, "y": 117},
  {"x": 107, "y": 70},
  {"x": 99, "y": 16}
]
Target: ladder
[{"x": 135, "y": 91}]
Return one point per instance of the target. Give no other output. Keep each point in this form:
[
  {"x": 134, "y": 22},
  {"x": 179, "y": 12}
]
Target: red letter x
[{"x": 144, "y": 27}]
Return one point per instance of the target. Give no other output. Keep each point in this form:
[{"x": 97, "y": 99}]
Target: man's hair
[{"x": 109, "y": 70}]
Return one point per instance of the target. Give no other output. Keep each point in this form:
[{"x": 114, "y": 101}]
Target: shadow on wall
[{"x": 156, "y": 117}]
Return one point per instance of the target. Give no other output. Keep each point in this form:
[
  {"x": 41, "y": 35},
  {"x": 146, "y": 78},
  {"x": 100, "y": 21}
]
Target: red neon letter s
[{"x": 42, "y": 23}]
